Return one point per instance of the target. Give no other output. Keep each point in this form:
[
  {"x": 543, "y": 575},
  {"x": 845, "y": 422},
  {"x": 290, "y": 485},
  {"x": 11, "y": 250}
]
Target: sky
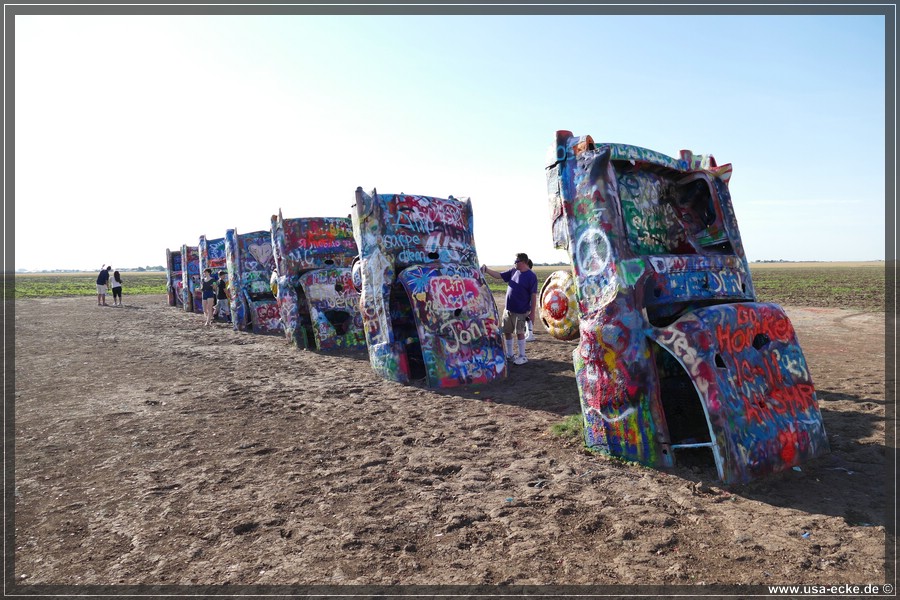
[{"x": 134, "y": 134}]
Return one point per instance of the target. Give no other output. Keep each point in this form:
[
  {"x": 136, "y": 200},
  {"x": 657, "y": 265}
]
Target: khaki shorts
[
  {"x": 514, "y": 322},
  {"x": 101, "y": 289}
]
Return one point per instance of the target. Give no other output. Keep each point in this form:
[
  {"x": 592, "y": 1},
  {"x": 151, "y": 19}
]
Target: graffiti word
[
  {"x": 453, "y": 293},
  {"x": 420, "y": 215},
  {"x": 456, "y": 334},
  {"x": 400, "y": 240}
]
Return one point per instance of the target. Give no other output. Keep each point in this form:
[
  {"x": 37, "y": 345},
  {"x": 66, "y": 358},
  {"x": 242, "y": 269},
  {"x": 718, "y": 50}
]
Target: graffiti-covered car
[
  {"x": 318, "y": 303},
  {"x": 427, "y": 310},
  {"x": 212, "y": 256},
  {"x": 250, "y": 264},
  {"x": 174, "y": 278},
  {"x": 191, "y": 292},
  {"x": 676, "y": 358}
]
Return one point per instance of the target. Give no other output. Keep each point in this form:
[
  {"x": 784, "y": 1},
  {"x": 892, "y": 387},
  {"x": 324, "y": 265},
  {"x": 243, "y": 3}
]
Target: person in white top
[
  {"x": 529, "y": 324},
  {"x": 116, "y": 284}
]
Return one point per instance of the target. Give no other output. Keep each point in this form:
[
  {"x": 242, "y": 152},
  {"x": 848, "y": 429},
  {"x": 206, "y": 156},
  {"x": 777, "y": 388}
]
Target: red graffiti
[
  {"x": 746, "y": 316},
  {"x": 773, "y": 371},
  {"x": 267, "y": 311},
  {"x": 453, "y": 292},
  {"x": 733, "y": 342},
  {"x": 778, "y": 328},
  {"x": 557, "y": 304},
  {"x": 801, "y": 396},
  {"x": 756, "y": 408},
  {"x": 788, "y": 441}
]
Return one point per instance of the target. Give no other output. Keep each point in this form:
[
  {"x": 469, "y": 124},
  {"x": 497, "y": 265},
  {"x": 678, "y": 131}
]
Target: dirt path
[{"x": 152, "y": 450}]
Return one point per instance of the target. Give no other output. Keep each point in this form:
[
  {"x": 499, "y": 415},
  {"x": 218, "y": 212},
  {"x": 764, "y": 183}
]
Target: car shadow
[
  {"x": 850, "y": 482},
  {"x": 540, "y": 384}
]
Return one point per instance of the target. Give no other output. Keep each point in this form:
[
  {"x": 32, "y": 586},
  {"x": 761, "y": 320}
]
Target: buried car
[
  {"x": 250, "y": 263},
  {"x": 212, "y": 257},
  {"x": 191, "y": 294},
  {"x": 318, "y": 303},
  {"x": 174, "y": 278},
  {"x": 427, "y": 310},
  {"x": 676, "y": 361}
]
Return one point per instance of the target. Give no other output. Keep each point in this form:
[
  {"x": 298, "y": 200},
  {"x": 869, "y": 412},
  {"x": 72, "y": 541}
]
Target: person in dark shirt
[
  {"x": 207, "y": 286},
  {"x": 521, "y": 302},
  {"x": 222, "y": 308},
  {"x": 102, "y": 285}
]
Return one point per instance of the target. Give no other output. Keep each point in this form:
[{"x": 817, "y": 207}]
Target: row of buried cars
[{"x": 676, "y": 360}]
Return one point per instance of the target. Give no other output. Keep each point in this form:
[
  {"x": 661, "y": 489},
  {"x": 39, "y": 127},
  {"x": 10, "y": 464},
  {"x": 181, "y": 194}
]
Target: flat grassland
[
  {"x": 49, "y": 285},
  {"x": 857, "y": 285}
]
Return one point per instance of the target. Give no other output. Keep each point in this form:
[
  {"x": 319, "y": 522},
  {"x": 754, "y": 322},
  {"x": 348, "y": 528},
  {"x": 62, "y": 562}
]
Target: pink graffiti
[{"x": 452, "y": 292}]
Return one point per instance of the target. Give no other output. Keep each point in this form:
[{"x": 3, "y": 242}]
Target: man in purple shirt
[{"x": 521, "y": 302}]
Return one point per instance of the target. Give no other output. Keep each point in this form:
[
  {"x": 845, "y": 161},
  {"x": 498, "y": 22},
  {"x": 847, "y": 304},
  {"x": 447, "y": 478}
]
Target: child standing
[
  {"x": 117, "y": 288},
  {"x": 223, "y": 311}
]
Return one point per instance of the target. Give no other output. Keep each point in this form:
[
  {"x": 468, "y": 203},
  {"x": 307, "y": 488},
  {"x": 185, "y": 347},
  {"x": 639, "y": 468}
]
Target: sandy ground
[{"x": 152, "y": 450}]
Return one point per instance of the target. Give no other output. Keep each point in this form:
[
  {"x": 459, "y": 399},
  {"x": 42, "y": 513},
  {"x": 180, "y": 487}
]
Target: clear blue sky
[{"x": 139, "y": 133}]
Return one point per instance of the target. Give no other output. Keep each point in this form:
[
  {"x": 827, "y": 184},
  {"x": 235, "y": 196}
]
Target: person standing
[
  {"x": 529, "y": 324},
  {"x": 207, "y": 286},
  {"x": 521, "y": 301},
  {"x": 102, "y": 285},
  {"x": 116, "y": 284},
  {"x": 222, "y": 296}
]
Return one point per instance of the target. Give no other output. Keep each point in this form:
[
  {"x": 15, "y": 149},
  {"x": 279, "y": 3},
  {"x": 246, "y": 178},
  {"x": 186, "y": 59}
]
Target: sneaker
[
  {"x": 529, "y": 337},
  {"x": 520, "y": 360}
]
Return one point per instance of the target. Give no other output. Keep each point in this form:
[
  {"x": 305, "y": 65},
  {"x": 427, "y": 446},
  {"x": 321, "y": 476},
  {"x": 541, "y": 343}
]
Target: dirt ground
[{"x": 150, "y": 450}]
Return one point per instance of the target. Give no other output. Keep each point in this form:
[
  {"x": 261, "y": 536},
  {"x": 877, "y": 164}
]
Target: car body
[
  {"x": 191, "y": 294},
  {"x": 250, "y": 262},
  {"x": 174, "y": 278},
  {"x": 318, "y": 304},
  {"x": 427, "y": 309},
  {"x": 212, "y": 256},
  {"x": 676, "y": 359}
]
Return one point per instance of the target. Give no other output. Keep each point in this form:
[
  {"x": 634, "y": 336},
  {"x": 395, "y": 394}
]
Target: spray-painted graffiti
[
  {"x": 191, "y": 294},
  {"x": 212, "y": 256},
  {"x": 427, "y": 311},
  {"x": 558, "y": 308},
  {"x": 318, "y": 303},
  {"x": 250, "y": 262},
  {"x": 754, "y": 381},
  {"x": 174, "y": 278},
  {"x": 675, "y": 354}
]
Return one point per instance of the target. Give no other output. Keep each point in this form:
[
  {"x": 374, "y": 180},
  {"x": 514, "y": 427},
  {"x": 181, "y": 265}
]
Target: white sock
[
  {"x": 509, "y": 347},
  {"x": 521, "y": 347}
]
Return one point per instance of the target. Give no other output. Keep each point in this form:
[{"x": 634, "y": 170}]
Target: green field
[
  {"x": 858, "y": 285},
  {"x": 48, "y": 285}
]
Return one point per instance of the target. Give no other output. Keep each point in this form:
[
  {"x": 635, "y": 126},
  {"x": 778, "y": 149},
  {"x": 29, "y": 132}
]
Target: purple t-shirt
[{"x": 522, "y": 285}]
